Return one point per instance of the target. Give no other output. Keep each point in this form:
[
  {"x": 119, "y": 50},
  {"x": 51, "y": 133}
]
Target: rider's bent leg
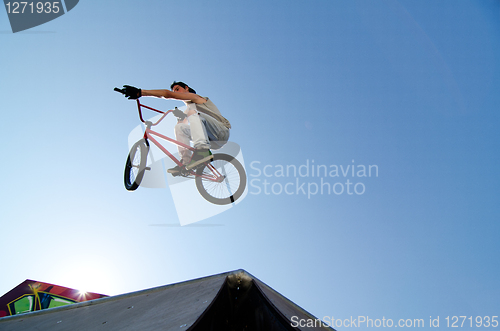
[
  {"x": 198, "y": 132},
  {"x": 200, "y": 141},
  {"x": 183, "y": 135},
  {"x": 194, "y": 131}
]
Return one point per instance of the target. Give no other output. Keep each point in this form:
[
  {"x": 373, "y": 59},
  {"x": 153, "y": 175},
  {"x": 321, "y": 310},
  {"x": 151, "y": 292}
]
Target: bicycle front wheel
[
  {"x": 136, "y": 165},
  {"x": 222, "y": 181}
]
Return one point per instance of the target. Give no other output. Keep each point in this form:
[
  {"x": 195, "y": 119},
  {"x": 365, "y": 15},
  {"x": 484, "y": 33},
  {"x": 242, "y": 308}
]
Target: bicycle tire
[
  {"x": 227, "y": 191},
  {"x": 136, "y": 165}
]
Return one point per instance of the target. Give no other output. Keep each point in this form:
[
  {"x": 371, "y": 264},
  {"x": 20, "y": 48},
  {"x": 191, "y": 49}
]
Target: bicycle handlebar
[{"x": 139, "y": 105}]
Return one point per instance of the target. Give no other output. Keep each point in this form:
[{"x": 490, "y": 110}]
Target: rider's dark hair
[{"x": 183, "y": 85}]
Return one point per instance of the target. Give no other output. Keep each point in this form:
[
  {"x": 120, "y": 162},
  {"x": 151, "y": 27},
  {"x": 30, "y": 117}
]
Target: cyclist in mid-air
[{"x": 201, "y": 123}]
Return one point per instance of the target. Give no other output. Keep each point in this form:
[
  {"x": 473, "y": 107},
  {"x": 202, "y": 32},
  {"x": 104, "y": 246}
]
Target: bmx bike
[{"x": 220, "y": 181}]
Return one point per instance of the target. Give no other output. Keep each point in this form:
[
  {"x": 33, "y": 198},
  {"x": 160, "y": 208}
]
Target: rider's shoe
[
  {"x": 175, "y": 171},
  {"x": 200, "y": 156}
]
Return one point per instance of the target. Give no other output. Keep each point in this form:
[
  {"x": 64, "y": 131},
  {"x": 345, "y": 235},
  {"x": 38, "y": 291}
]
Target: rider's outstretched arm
[{"x": 167, "y": 94}]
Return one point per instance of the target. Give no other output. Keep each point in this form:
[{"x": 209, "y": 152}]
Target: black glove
[
  {"x": 132, "y": 92},
  {"x": 179, "y": 114}
]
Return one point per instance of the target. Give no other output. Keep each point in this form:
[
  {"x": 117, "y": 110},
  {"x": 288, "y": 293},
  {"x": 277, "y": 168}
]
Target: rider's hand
[
  {"x": 179, "y": 114},
  {"x": 132, "y": 92}
]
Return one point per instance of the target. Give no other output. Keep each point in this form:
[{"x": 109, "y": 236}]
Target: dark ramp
[{"x": 229, "y": 301}]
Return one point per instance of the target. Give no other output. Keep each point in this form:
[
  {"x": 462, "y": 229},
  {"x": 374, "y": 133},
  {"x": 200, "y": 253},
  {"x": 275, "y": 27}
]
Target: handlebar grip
[{"x": 122, "y": 91}]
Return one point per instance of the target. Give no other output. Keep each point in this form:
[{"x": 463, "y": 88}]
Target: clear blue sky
[{"x": 408, "y": 86}]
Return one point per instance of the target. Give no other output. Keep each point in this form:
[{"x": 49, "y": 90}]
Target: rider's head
[{"x": 183, "y": 85}]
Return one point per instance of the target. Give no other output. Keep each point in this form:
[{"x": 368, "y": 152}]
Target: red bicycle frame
[{"x": 148, "y": 135}]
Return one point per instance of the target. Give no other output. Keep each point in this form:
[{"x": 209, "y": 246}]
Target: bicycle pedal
[{"x": 147, "y": 168}]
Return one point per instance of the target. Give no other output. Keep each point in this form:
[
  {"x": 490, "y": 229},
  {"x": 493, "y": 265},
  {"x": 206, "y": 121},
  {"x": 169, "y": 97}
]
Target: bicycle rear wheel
[
  {"x": 231, "y": 184},
  {"x": 136, "y": 165}
]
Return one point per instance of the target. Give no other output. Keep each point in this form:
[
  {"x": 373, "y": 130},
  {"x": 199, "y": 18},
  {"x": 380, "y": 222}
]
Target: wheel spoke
[
  {"x": 136, "y": 163},
  {"x": 223, "y": 181}
]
